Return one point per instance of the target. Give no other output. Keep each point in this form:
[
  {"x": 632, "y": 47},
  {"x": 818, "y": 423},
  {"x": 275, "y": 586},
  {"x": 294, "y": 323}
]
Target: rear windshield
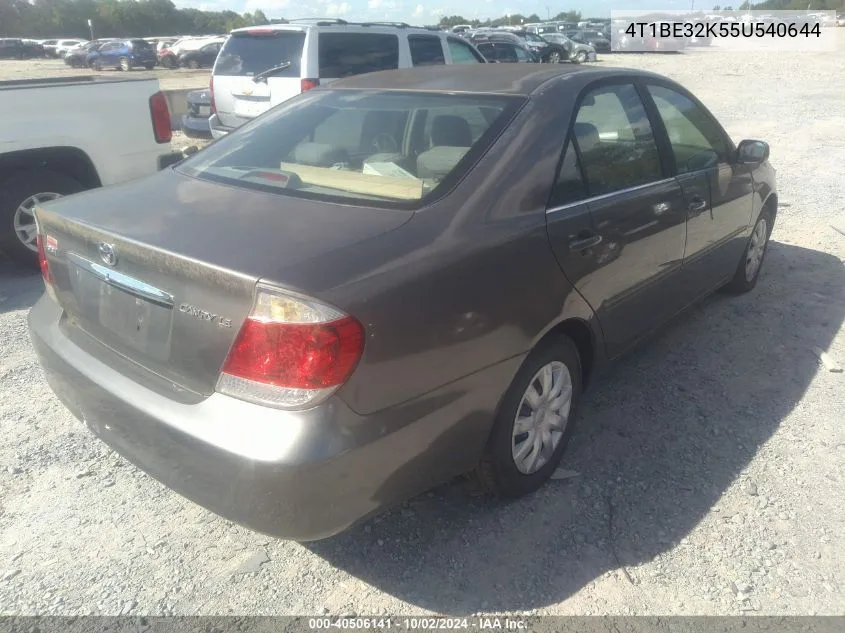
[
  {"x": 391, "y": 149},
  {"x": 247, "y": 54}
]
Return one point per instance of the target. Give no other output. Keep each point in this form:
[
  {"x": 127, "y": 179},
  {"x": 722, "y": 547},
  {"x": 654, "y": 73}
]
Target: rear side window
[
  {"x": 140, "y": 45},
  {"x": 247, "y": 54},
  {"x": 347, "y": 54},
  {"x": 462, "y": 53},
  {"x": 426, "y": 50}
]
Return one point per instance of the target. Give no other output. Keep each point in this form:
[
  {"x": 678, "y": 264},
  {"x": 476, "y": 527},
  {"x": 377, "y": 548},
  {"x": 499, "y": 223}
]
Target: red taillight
[
  {"x": 296, "y": 355},
  {"x": 291, "y": 352},
  {"x": 308, "y": 84},
  {"x": 42, "y": 259},
  {"x": 160, "y": 113},
  {"x": 211, "y": 93}
]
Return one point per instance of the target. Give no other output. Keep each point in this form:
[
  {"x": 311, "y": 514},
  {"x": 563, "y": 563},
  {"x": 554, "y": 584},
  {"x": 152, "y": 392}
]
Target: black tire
[
  {"x": 497, "y": 471},
  {"x": 16, "y": 190},
  {"x": 554, "y": 57},
  {"x": 149, "y": 66},
  {"x": 124, "y": 64},
  {"x": 580, "y": 57},
  {"x": 742, "y": 282},
  {"x": 95, "y": 64},
  {"x": 193, "y": 64}
]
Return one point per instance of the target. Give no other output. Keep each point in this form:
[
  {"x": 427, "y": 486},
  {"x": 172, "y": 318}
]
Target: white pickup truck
[{"x": 61, "y": 136}]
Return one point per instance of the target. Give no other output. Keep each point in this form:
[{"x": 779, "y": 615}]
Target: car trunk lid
[{"x": 162, "y": 271}]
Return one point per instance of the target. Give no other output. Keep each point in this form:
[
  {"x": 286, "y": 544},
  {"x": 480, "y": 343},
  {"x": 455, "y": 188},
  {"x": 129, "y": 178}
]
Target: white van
[{"x": 259, "y": 67}]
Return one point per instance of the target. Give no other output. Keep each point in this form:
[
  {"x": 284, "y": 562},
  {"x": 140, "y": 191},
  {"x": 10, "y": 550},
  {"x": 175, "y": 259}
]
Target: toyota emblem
[{"x": 108, "y": 254}]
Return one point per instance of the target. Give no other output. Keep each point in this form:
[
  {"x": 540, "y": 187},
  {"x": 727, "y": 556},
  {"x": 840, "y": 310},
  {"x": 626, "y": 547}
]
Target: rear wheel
[
  {"x": 18, "y": 197},
  {"x": 193, "y": 64},
  {"x": 534, "y": 423},
  {"x": 580, "y": 57},
  {"x": 554, "y": 57},
  {"x": 149, "y": 65},
  {"x": 95, "y": 64},
  {"x": 124, "y": 64}
]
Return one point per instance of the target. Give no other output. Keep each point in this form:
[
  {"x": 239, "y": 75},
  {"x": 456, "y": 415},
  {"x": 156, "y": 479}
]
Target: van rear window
[
  {"x": 347, "y": 54},
  {"x": 250, "y": 53}
]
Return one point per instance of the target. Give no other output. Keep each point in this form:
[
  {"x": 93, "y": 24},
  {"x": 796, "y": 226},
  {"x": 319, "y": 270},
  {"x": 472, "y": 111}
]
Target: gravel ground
[
  {"x": 41, "y": 68},
  {"x": 710, "y": 463}
]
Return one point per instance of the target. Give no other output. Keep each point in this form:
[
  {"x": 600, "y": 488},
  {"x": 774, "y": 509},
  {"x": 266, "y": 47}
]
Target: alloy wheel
[
  {"x": 756, "y": 249},
  {"x": 23, "y": 222}
]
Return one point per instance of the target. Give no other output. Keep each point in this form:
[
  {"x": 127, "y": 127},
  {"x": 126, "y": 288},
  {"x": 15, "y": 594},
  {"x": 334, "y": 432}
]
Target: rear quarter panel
[
  {"x": 109, "y": 121},
  {"x": 468, "y": 283}
]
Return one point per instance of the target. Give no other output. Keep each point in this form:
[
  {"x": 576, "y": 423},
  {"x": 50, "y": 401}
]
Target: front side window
[
  {"x": 381, "y": 148},
  {"x": 521, "y": 54},
  {"x": 506, "y": 53},
  {"x": 462, "y": 53},
  {"x": 347, "y": 54},
  {"x": 615, "y": 140},
  {"x": 696, "y": 140},
  {"x": 486, "y": 49},
  {"x": 426, "y": 50}
]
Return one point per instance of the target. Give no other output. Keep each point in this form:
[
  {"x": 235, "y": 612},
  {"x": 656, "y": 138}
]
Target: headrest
[{"x": 448, "y": 130}]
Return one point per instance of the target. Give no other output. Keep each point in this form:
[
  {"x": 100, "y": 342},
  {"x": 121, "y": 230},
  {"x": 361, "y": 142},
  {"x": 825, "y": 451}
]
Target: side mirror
[{"x": 752, "y": 152}]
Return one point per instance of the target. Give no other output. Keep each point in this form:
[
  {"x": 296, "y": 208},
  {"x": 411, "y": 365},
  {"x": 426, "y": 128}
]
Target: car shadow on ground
[
  {"x": 660, "y": 439},
  {"x": 20, "y": 287}
]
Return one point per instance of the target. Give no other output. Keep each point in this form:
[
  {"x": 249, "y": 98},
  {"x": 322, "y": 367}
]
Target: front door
[
  {"x": 717, "y": 189},
  {"x": 617, "y": 218}
]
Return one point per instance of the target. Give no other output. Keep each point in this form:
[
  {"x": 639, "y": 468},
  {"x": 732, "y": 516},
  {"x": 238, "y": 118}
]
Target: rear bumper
[
  {"x": 196, "y": 127},
  {"x": 218, "y": 130},
  {"x": 296, "y": 475}
]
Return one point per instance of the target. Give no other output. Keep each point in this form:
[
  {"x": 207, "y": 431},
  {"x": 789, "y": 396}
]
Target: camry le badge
[{"x": 107, "y": 253}]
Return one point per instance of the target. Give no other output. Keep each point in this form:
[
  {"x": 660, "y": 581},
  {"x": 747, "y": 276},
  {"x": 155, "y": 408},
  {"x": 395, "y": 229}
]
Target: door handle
[
  {"x": 583, "y": 243},
  {"x": 697, "y": 204}
]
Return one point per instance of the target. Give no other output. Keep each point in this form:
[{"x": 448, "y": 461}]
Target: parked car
[
  {"x": 195, "y": 122},
  {"x": 577, "y": 53},
  {"x": 200, "y": 58},
  {"x": 549, "y": 51},
  {"x": 63, "y": 46},
  {"x": 505, "y": 51},
  {"x": 14, "y": 48},
  {"x": 123, "y": 55},
  {"x": 426, "y": 269},
  {"x": 78, "y": 57},
  {"x": 64, "y": 135},
  {"x": 595, "y": 39},
  {"x": 840, "y": 19},
  {"x": 49, "y": 47},
  {"x": 33, "y": 48},
  {"x": 169, "y": 56},
  {"x": 259, "y": 67}
]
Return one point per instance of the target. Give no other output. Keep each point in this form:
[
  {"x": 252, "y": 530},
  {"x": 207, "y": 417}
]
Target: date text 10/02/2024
[{"x": 427, "y": 624}]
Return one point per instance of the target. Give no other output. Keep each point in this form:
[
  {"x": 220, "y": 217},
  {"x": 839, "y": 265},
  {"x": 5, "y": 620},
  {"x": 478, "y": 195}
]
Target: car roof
[
  {"x": 513, "y": 79},
  {"x": 342, "y": 26}
]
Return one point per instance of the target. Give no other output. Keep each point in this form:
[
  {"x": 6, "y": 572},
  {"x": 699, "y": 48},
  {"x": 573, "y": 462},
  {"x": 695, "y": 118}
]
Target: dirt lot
[
  {"x": 711, "y": 463},
  {"x": 40, "y": 68}
]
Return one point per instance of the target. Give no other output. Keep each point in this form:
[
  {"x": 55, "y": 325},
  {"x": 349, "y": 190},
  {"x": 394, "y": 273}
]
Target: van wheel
[
  {"x": 124, "y": 64},
  {"x": 534, "y": 423},
  {"x": 193, "y": 64},
  {"x": 18, "y": 197}
]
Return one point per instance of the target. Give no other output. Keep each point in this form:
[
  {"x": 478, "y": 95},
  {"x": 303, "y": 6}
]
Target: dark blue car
[{"x": 123, "y": 55}]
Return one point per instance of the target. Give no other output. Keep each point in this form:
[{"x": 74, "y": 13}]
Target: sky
[{"x": 424, "y": 12}]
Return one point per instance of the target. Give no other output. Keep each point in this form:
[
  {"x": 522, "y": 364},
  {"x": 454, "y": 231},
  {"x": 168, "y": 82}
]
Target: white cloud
[
  {"x": 374, "y": 4},
  {"x": 437, "y": 12},
  {"x": 418, "y": 12},
  {"x": 268, "y": 6},
  {"x": 339, "y": 9}
]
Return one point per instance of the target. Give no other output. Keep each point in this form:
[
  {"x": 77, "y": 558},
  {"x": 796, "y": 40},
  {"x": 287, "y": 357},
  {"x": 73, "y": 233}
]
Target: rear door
[
  {"x": 617, "y": 218},
  {"x": 238, "y": 95}
]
